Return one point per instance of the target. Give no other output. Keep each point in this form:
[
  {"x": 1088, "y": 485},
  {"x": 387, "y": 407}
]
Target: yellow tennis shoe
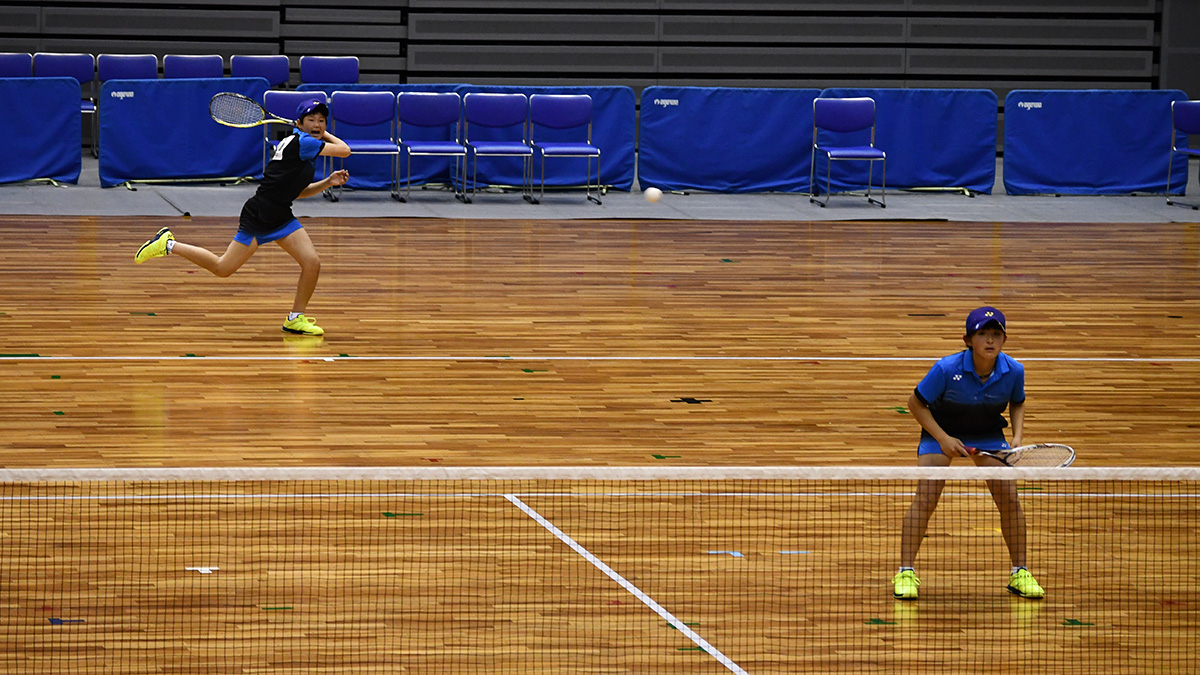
[
  {"x": 1023, "y": 584},
  {"x": 303, "y": 325},
  {"x": 906, "y": 583},
  {"x": 155, "y": 248}
]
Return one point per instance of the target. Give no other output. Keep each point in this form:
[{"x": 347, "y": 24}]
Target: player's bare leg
[
  {"x": 224, "y": 265},
  {"x": 300, "y": 247}
]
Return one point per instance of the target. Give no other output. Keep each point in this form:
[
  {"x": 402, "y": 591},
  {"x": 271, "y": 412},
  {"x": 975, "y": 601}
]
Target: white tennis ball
[{"x": 652, "y": 194}]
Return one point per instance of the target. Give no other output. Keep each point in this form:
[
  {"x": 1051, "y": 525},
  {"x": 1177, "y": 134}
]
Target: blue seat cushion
[
  {"x": 501, "y": 148},
  {"x": 853, "y": 152},
  {"x": 569, "y": 149},
  {"x": 436, "y": 147},
  {"x": 366, "y": 146}
]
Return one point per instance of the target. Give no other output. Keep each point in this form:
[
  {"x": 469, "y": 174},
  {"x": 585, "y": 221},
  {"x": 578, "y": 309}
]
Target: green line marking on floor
[
  {"x": 59, "y": 412},
  {"x": 193, "y": 356},
  {"x": 143, "y": 314},
  {"x": 345, "y": 356},
  {"x": 56, "y": 377},
  {"x": 667, "y": 456},
  {"x": 689, "y": 649},
  {"x": 686, "y": 623},
  {"x": 1076, "y": 622},
  {"x": 389, "y": 514},
  {"x": 900, "y": 409},
  {"x": 531, "y": 370},
  {"x": 727, "y": 260},
  {"x": 1028, "y": 489},
  {"x": 879, "y": 622},
  {"x": 274, "y": 609},
  {"x": 18, "y": 356}
]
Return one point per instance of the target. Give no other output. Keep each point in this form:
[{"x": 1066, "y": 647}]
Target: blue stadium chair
[
  {"x": 283, "y": 104},
  {"x": 1185, "y": 118},
  {"x": 354, "y": 115},
  {"x": 274, "y": 68},
  {"x": 126, "y": 67},
  {"x": 16, "y": 64},
  {"x": 429, "y": 110},
  {"x": 564, "y": 112},
  {"x": 507, "y": 115},
  {"x": 329, "y": 69},
  {"x": 844, "y": 116},
  {"x": 82, "y": 67},
  {"x": 177, "y": 66}
]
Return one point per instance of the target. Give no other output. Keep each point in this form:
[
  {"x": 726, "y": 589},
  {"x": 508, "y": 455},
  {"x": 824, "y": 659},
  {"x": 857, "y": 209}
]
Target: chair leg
[
  {"x": 883, "y": 191},
  {"x": 589, "y": 179},
  {"x": 529, "y": 197}
]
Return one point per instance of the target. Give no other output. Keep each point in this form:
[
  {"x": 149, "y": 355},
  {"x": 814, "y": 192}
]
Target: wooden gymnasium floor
[{"x": 545, "y": 343}]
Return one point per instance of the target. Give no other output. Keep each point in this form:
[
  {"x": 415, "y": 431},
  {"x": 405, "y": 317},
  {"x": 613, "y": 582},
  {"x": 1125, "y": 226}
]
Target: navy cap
[
  {"x": 311, "y": 106},
  {"x": 980, "y": 318}
]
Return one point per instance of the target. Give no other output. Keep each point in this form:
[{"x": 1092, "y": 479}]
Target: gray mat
[{"x": 211, "y": 199}]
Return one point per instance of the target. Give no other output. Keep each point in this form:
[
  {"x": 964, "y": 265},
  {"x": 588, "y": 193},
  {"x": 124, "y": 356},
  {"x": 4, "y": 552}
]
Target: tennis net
[{"x": 590, "y": 570}]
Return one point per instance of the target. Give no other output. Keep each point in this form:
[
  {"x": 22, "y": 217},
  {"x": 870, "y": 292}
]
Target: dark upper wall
[{"x": 1001, "y": 45}]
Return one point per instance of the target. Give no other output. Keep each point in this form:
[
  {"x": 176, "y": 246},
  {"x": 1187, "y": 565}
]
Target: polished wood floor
[{"x": 543, "y": 343}]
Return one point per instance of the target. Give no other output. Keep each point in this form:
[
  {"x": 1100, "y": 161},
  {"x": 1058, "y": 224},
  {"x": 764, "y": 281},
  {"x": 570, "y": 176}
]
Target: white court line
[
  {"x": 627, "y": 585},
  {"x": 325, "y": 357},
  {"x": 469, "y": 495}
]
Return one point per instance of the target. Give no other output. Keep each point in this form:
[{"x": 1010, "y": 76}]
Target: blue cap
[
  {"x": 980, "y": 318},
  {"x": 311, "y": 106}
]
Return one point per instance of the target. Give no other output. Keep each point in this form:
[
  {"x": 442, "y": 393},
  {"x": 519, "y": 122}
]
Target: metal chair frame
[
  {"x": 1187, "y": 120},
  {"x": 338, "y": 103},
  {"x": 498, "y": 111},
  {"x": 564, "y": 111},
  {"x": 428, "y": 110},
  {"x": 844, "y": 115}
]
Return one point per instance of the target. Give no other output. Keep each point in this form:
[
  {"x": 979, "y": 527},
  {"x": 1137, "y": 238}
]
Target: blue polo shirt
[{"x": 963, "y": 405}]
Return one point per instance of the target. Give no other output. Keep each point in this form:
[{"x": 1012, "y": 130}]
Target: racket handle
[{"x": 971, "y": 450}]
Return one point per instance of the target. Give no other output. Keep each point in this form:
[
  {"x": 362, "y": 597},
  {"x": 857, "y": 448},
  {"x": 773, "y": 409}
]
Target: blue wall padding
[
  {"x": 46, "y": 139},
  {"x": 1089, "y": 142},
  {"x": 161, "y": 129},
  {"x": 725, "y": 139}
]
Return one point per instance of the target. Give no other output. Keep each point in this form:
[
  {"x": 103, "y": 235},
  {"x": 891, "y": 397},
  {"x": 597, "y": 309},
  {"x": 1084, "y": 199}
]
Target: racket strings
[
  {"x": 235, "y": 110},
  {"x": 1047, "y": 456}
]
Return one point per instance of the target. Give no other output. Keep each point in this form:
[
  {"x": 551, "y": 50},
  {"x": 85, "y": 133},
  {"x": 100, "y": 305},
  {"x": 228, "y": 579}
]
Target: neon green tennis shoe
[
  {"x": 1023, "y": 584},
  {"x": 906, "y": 583},
  {"x": 155, "y": 248},
  {"x": 303, "y": 325}
]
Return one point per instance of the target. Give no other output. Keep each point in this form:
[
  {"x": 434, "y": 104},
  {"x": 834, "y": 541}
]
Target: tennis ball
[{"x": 652, "y": 194}]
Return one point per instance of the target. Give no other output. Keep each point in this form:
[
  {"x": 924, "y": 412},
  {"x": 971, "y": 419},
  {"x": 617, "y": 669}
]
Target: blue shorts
[
  {"x": 930, "y": 446},
  {"x": 247, "y": 239}
]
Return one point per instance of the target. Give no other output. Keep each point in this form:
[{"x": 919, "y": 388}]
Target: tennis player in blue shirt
[
  {"x": 267, "y": 216},
  {"x": 960, "y": 404}
]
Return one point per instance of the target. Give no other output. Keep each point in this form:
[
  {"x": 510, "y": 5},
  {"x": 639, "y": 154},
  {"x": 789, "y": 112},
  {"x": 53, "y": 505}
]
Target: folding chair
[
  {"x": 329, "y": 69},
  {"x": 274, "y": 68},
  {"x": 564, "y": 112},
  {"x": 283, "y": 104},
  {"x": 176, "y": 66},
  {"x": 1185, "y": 119},
  {"x": 16, "y": 64},
  {"x": 429, "y": 110},
  {"x": 504, "y": 113},
  {"x": 82, "y": 67},
  {"x": 360, "y": 111},
  {"x": 844, "y": 116},
  {"x": 126, "y": 67}
]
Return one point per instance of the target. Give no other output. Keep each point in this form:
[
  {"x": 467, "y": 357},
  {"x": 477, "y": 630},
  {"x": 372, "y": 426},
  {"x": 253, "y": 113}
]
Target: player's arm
[
  {"x": 1016, "y": 413},
  {"x": 334, "y": 179},
  {"x": 334, "y": 146},
  {"x": 951, "y": 446}
]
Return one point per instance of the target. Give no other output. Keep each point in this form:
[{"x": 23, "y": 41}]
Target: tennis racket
[
  {"x": 1039, "y": 455},
  {"x": 235, "y": 110}
]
